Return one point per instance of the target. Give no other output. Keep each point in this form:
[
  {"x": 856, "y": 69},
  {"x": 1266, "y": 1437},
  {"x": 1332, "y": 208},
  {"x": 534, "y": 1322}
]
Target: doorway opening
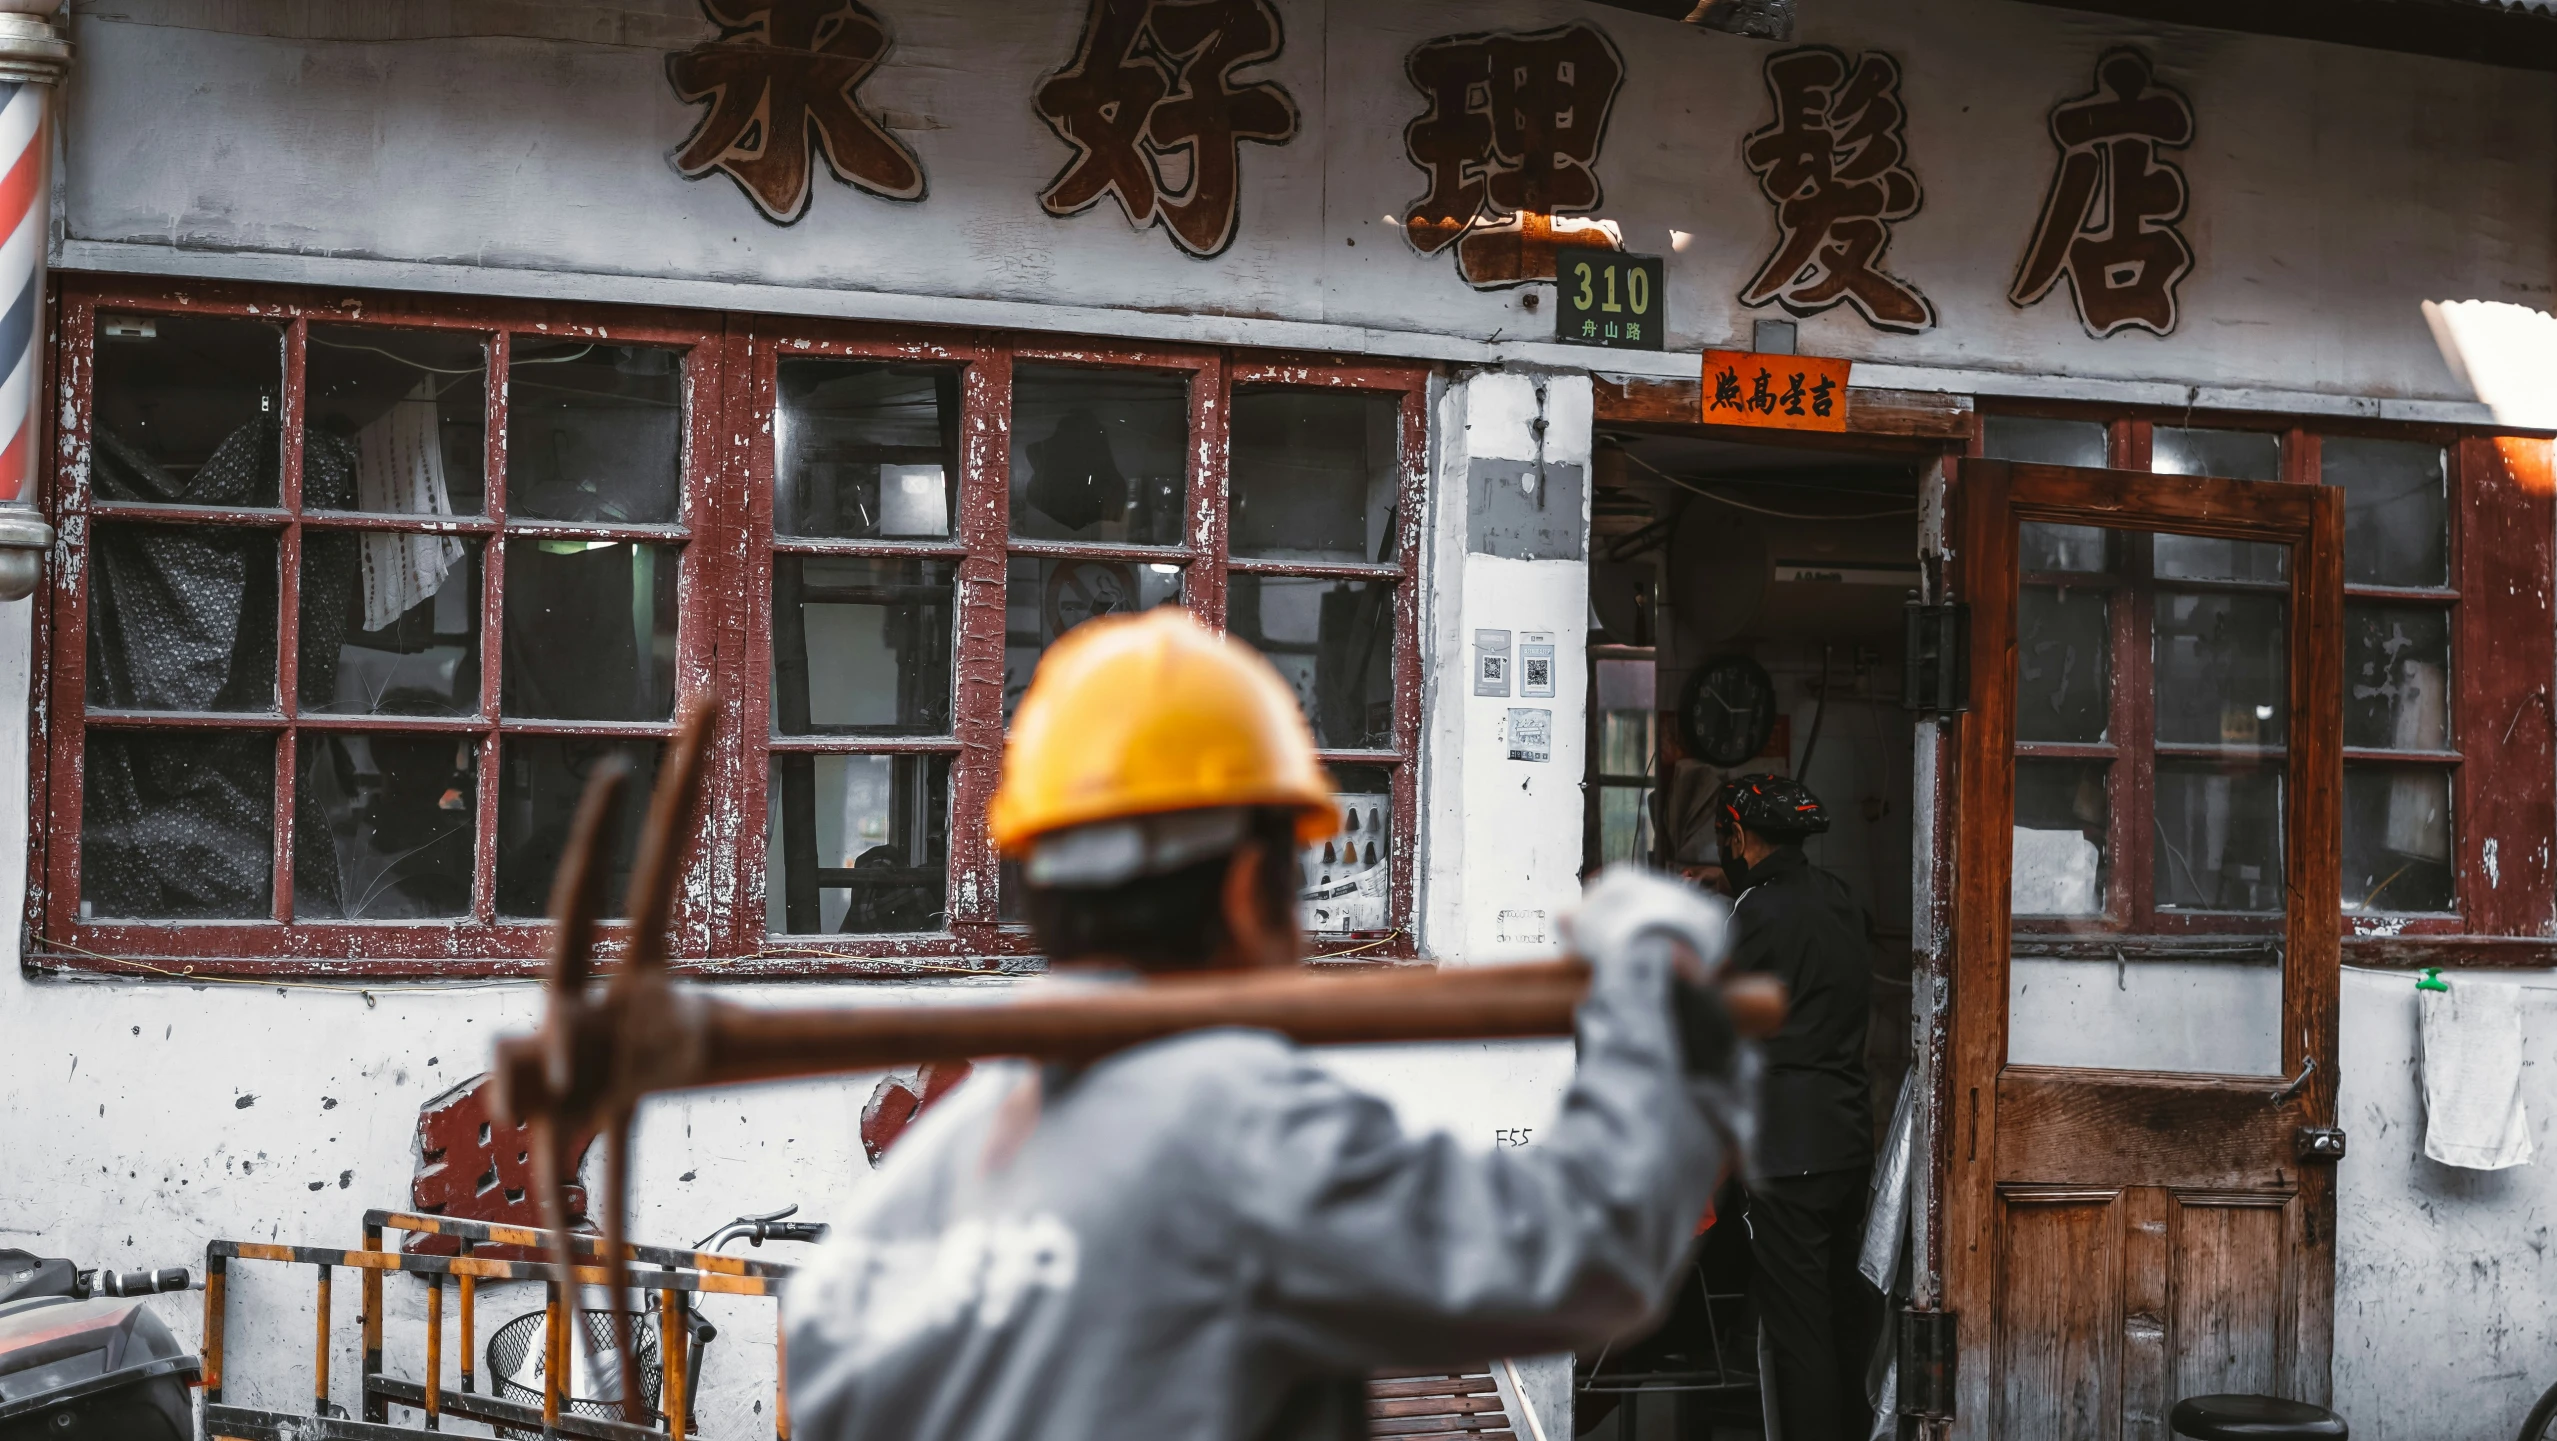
[{"x": 1748, "y": 608}]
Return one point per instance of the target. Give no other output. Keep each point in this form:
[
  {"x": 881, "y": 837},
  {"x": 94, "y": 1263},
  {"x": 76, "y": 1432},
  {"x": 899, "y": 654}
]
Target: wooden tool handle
[{"x": 745, "y": 1044}]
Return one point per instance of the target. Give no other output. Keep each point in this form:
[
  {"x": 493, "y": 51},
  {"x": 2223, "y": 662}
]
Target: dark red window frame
[
  {"x": 2503, "y": 720},
  {"x": 723, "y": 632}
]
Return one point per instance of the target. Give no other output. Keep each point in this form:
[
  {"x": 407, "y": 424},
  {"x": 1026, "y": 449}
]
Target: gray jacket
[{"x": 1213, "y": 1239}]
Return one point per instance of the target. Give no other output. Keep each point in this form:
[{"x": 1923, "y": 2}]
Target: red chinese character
[
  {"x": 1510, "y": 144},
  {"x": 779, "y": 81},
  {"x": 2109, "y": 222},
  {"x": 1833, "y": 164},
  {"x": 1155, "y": 79}
]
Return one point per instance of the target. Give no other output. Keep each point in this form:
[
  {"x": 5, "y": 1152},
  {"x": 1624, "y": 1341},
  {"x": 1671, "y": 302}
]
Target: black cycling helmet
[{"x": 1774, "y": 806}]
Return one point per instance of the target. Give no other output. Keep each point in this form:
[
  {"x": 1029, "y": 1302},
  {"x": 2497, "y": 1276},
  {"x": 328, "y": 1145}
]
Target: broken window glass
[
  {"x": 862, "y": 646},
  {"x": 390, "y": 623},
  {"x": 413, "y": 405},
  {"x": 2397, "y": 839},
  {"x": 866, "y": 449},
  {"x": 590, "y": 629},
  {"x": 2219, "y": 837},
  {"x": 1046, "y": 596},
  {"x": 540, "y": 780},
  {"x": 1333, "y": 641},
  {"x": 858, "y": 844},
  {"x": 1099, "y": 455},
  {"x": 1314, "y": 474},
  {"x": 187, "y": 410},
  {"x": 594, "y": 432},
  {"x": 177, "y": 825},
  {"x": 398, "y": 829}
]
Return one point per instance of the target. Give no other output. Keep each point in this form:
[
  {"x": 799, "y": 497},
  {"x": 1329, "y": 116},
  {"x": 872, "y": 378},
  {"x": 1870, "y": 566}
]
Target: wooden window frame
[
  {"x": 725, "y": 524},
  {"x": 2488, "y": 924}
]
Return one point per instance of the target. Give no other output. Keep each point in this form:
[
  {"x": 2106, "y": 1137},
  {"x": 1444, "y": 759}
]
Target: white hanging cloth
[
  {"x": 2471, "y": 1043},
  {"x": 399, "y": 470}
]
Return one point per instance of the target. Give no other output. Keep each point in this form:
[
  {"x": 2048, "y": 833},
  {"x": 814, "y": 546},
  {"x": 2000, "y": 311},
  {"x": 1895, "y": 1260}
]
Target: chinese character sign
[
  {"x": 1153, "y": 82},
  {"x": 779, "y": 82},
  {"x": 2109, "y": 222},
  {"x": 1781, "y": 392},
  {"x": 1833, "y": 164},
  {"x": 1510, "y": 145}
]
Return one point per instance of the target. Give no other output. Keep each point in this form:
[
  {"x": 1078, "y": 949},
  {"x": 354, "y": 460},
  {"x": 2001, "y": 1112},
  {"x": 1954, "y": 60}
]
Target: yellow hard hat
[{"x": 1136, "y": 715}]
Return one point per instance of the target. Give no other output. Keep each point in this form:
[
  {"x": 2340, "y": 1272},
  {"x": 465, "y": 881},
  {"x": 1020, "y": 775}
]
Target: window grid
[{"x": 724, "y": 529}]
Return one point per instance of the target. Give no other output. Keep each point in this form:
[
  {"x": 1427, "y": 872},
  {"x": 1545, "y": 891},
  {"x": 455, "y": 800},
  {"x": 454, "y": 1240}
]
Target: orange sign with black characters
[{"x": 1779, "y": 392}]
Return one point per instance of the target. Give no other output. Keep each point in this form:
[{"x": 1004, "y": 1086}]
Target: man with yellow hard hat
[{"x": 1210, "y": 1236}]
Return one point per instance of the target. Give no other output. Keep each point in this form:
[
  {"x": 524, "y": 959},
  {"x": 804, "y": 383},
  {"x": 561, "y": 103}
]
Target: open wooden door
[{"x": 2146, "y": 948}]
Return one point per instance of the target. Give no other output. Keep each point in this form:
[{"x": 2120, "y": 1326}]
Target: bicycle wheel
[{"x": 2542, "y": 1425}]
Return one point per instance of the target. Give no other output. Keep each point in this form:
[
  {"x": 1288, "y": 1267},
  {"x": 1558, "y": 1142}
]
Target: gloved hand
[
  {"x": 1626, "y": 902},
  {"x": 1632, "y": 912}
]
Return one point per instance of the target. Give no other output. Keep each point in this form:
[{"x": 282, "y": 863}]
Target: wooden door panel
[
  {"x": 2129, "y": 1128},
  {"x": 2059, "y": 1310},
  {"x": 2227, "y": 1316}
]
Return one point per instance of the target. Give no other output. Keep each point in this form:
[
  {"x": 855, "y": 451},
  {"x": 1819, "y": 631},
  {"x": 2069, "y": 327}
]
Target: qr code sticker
[{"x": 1540, "y": 671}]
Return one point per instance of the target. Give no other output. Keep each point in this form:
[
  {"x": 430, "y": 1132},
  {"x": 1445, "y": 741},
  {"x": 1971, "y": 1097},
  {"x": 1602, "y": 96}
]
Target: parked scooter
[{"x": 82, "y": 1359}]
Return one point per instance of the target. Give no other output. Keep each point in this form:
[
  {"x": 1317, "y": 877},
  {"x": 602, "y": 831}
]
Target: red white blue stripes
[{"x": 23, "y": 212}]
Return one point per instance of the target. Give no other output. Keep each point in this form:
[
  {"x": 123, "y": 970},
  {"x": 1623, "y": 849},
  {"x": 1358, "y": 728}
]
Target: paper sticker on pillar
[
  {"x": 1531, "y": 734},
  {"x": 1777, "y": 392},
  {"x": 1536, "y": 663},
  {"x": 1519, "y": 928},
  {"x": 1492, "y": 661},
  {"x": 1523, "y": 509}
]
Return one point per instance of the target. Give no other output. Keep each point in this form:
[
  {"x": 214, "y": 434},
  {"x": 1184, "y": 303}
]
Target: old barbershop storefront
[{"x": 1572, "y": 403}]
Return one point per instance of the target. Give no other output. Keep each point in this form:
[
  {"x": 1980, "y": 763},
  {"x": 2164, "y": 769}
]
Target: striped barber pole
[{"x": 23, "y": 211}]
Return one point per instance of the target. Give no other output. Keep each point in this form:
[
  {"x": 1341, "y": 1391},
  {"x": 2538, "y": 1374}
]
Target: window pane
[
  {"x": 590, "y": 630},
  {"x": 186, "y": 410},
  {"x": 540, "y": 780},
  {"x": 2045, "y": 548},
  {"x": 1100, "y": 455},
  {"x": 1313, "y": 474},
  {"x": 593, "y": 432},
  {"x": 2232, "y": 454},
  {"x": 1624, "y": 824},
  {"x": 1624, "y": 742},
  {"x": 2061, "y": 813},
  {"x": 861, "y": 647},
  {"x": 866, "y": 449},
  {"x": 177, "y": 826},
  {"x": 2044, "y": 442},
  {"x": 2219, "y": 673},
  {"x": 2205, "y": 557},
  {"x": 1345, "y": 879},
  {"x": 2396, "y": 510},
  {"x": 409, "y": 408},
  {"x": 2397, "y": 839},
  {"x": 181, "y": 617},
  {"x": 2063, "y": 662},
  {"x": 395, "y": 832},
  {"x": 1045, "y": 596},
  {"x": 858, "y": 845},
  {"x": 1334, "y": 641},
  {"x": 390, "y": 623},
  {"x": 2219, "y": 838},
  {"x": 2396, "y": 677}
]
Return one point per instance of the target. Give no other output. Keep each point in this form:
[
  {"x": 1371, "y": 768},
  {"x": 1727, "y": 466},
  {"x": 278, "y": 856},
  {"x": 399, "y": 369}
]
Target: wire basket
[{"x": 515, "y": 1362}]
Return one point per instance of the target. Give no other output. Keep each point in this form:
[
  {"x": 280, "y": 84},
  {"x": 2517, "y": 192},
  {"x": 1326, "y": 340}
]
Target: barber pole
[{"x": 32, "y": 60}]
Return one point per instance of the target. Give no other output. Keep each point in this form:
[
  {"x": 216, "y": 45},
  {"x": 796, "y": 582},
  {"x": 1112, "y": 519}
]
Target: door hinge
[
  {"x": 2318, "y": 1143},
  {"x": 1926, "y": 1364},
  {"x": 1936, "y": 659}
]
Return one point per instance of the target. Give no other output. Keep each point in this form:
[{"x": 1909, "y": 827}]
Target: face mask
[{"x": 1735, "y": 868}]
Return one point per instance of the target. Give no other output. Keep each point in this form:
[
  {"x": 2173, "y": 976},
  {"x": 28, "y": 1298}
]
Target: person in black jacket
[{"x": 1807, "y": 1204}]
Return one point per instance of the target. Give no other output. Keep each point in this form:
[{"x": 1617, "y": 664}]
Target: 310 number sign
[{"x": 1609, "y": 298}]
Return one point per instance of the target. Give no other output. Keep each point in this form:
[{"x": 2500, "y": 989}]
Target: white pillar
[{"x": 33, "y": 60}]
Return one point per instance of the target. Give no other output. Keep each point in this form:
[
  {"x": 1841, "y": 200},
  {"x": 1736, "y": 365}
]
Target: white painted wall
[{"x": 492, "y": 145}]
